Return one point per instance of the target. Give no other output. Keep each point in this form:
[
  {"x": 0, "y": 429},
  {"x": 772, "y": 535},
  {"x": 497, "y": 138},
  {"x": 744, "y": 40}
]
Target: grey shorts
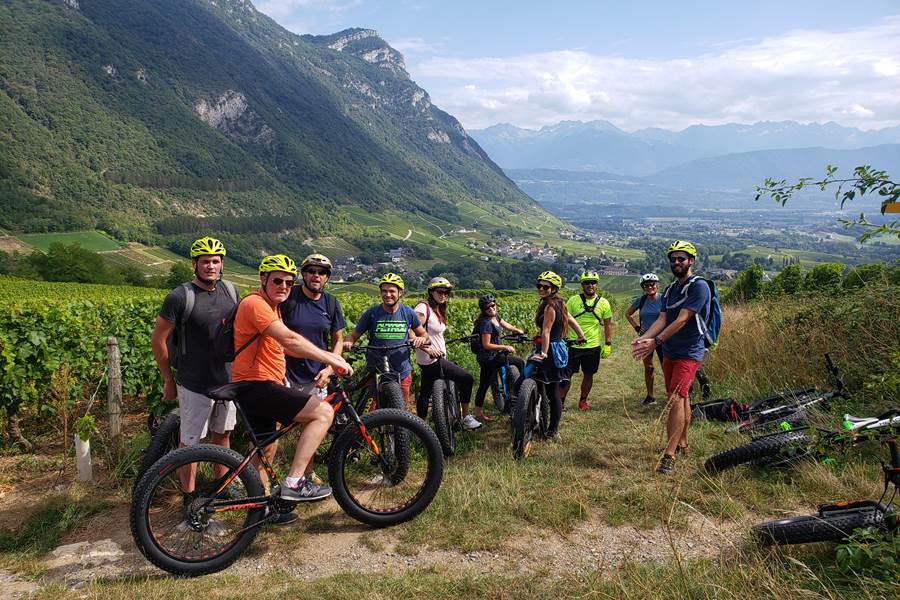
[{"x": 199, "y": 414}]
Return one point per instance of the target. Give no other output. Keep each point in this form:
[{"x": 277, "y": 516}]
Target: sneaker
[
  {"x": 280, "y": 518},
  {"x": 582, "y": 404},
  {"x": 314, "y": 477},
  {"x": 306, "y": 491},
  {"x": 649, "y": 400},
  {"x": 470, "y": 422},
  {"x": 666, "y": 465}
]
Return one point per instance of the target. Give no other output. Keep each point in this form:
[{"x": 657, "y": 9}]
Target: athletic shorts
[
  {"x": 585, "y": 359},
  {"x": 266, "y": 403},
  {"x": 679, "y": 374},
  {"x": 199, "y": 414}
]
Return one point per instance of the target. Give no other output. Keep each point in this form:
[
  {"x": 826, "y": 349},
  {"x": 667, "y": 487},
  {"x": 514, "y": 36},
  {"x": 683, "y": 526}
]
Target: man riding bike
[
  {"x": 389, "y": 324},
  {"x": 590, "y": 311},
  {"x": 265, "y": 339},
  {"x": 432, "y": 359}
]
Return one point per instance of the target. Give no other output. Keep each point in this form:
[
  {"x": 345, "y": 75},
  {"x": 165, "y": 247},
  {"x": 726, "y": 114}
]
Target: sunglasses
[
  {"x": 317, "y": 271},
  {"x": 588, "y": 283},
  {"x": 440, "y": 291},
  {"x": 677, "y": 259},
  {"x": 543, "y": 286},
  {"x": 650, "y": 284},
  {"x": 278, "y": 281}
]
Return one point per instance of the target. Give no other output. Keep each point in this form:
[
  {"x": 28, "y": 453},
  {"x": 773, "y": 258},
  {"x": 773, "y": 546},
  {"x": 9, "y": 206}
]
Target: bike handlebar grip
[{"x": 341, "y": 372}]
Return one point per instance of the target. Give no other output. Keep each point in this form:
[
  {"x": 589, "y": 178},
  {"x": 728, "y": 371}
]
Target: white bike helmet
[{"x": 649, "y": 278}]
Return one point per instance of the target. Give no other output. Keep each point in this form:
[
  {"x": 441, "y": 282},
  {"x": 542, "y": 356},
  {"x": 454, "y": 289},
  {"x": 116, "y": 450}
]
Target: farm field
[
  {"x": 807, "y": 258},
  {"x": 90, "y": 240}
]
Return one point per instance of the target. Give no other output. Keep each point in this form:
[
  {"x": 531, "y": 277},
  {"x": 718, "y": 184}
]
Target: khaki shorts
[{"x": 199, "y": 414}]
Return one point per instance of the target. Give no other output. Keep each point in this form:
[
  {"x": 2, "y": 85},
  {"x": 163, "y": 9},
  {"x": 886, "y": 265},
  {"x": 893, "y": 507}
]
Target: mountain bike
[
  {"x": 446, "y": 413},
  {"x": 503, "y": 387},
  {"x": 789, "y": 407},
  {"x": 836, "y": 522},
  {"x": 788, "y": 447},
  {"x": 532, "y": 411},
  {"x": 381, "y": 389},
  {"x": 376, "y": 479}
]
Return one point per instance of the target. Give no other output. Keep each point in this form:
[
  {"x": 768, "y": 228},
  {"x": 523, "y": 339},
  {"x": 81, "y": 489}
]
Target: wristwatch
[{"x": 658, "y": 341}]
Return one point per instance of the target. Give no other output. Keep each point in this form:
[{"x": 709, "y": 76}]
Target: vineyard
[{"x": 53, "y": 339}]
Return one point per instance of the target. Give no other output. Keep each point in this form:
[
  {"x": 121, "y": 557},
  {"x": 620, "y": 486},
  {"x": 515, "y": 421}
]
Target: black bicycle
[
  {"x": 385, "y": 467},
  {"x": 786, "y": 408},
  {"x": 788, "y": 447},
  {"x": 836, "y": 522}
]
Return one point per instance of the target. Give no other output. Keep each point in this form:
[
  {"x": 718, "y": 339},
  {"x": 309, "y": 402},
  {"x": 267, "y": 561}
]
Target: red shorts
[
  {"x": 405, "y": 385},
  {"x": 679, "y": 374}
]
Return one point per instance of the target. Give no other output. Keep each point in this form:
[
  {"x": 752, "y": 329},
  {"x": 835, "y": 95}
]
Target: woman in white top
[{"x": 433, "y": 358}]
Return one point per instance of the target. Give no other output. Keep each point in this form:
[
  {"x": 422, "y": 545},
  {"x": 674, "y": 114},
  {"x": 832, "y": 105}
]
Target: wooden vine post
[{"x": 114, "y": 390}]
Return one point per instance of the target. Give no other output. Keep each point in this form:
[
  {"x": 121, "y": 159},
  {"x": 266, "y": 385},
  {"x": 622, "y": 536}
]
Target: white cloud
[
  {"x": 852, "y": 77},
  {"x": 290, "y": 13}
]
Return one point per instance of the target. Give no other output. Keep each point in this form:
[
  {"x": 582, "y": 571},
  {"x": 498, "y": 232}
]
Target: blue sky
[{"x": 647, "y": 64}]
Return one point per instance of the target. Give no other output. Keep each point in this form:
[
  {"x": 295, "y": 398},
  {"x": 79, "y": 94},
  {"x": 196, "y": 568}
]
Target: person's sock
[{"x": 293, "y": 482}]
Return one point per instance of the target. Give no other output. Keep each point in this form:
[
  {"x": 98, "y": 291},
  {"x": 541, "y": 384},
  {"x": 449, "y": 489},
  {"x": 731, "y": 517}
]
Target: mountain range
[
  {"x": 600, "y": 146},
  {"x": 125, "y": 114}
]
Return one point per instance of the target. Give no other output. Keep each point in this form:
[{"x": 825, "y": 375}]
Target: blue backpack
[{"x": 713, "y": 324}]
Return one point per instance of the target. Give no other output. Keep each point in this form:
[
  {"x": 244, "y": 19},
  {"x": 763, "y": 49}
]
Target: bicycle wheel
[
  {"x": 396, "y": 443},
  {"x": 828, "y": 526},
  {"x": 778, "y": 448},
  {"x": 751, "y": 427},
  {"x": 501, "y": 402},
  {"x": 188, "y": 533},
  {"x": 543, "y": 414},
  {"x": 441, "y": 414},
  {"x": 390, "y": 395},
  {"x": 455, "y": 414},
  {"x": 512, "y": 379},
  {"x": 164, "y": 440},
  {"x": 363, "y": 480},
  {"x": 524, "y": 417}
]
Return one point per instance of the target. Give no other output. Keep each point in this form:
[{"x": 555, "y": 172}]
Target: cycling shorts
[
  {"x": 585, "y": 359},
  {"x": 266, "y": 403}
]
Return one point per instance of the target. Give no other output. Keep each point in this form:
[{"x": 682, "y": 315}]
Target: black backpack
[
  {"x": 177, "y": 341},
  {"x": 587, "y": 308},
  {"x": 223, "y": 341}
]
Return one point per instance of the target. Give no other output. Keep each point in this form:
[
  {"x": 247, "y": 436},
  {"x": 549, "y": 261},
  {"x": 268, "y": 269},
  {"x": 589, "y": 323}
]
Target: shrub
[{"x": 826, "y": 278}]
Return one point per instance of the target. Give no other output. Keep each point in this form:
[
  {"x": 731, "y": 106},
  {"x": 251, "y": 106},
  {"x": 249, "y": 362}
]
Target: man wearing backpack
[
  {"x": 189, "y": 317},
  {"x": 681, "y": 335},
  {"x": 590, "y": 311}
]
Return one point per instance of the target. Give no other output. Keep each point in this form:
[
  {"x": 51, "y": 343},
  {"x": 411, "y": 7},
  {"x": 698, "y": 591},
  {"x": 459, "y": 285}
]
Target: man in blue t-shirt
[
  {"x": 677, "y": 331},
  {"x": 389, "y": 324},
  {"x": 648, "y": 306}
]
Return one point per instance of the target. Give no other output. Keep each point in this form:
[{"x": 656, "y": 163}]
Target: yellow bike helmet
[
  {"x": 393, "y": 279},
  {"x": 439, "y": 282},
  {"x": 551, "y": 278},
  {"x": 682, "y": 246},
  {"x": 278, "y": 262},
  {"x": 207, "y": 246},
  {"x": 589, "y": 276},
  {"x": 316, "y": 260}
]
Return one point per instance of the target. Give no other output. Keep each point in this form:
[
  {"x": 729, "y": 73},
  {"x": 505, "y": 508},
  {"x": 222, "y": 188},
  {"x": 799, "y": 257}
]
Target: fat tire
[
  {"x": 164, "y": 440},
  {"x": 140, "y": 527},
  {"x": 826, "y": 527},
  {"x": 390, "y": 396},
  {"x": 522, "y": 422},
  {"x": 764, "y": 448},
  {"x": 343, "y": 450},
  {"x": 441, "y": 406},
  {"x": 512, "y": 380}
]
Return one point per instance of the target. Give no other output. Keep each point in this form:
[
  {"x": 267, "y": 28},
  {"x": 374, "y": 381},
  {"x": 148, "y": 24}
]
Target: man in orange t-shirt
[{"x": 267, "y": 401}]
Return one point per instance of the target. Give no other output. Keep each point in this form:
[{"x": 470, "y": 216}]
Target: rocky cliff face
[
  {"x": 231, "y": 114},
  {"x": 364, "y": 44}
]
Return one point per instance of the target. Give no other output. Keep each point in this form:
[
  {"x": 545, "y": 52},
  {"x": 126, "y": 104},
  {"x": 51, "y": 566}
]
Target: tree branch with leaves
[{"x": 865, "y": 180}]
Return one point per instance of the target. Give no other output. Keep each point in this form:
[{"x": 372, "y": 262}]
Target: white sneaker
[{"x": 469, "y": 423}]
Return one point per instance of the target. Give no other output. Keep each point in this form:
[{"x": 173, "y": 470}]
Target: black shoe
[
  {"x": 666, "y": 465},
  {"x": 280, "y": 518},
  {"x": 649, "y": 400}
]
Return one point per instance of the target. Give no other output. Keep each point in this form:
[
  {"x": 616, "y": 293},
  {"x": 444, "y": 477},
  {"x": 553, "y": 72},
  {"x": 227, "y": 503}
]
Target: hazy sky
[{"x": 654, "y": 64}]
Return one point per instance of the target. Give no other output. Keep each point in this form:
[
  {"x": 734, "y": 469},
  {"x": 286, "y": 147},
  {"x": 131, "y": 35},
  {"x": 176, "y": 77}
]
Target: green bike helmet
[
  {"x": 207, "y": 246},
  {"x": 682, "y": 246},
  {"x": 316, "y": 260},
  {"x": 551, "y": 278},
  {"x": 278, "y": 262},
  {"x": 393, "y": 279},
  {"x": 439, "y": 282},
  {"x": 589, "y": 276}
]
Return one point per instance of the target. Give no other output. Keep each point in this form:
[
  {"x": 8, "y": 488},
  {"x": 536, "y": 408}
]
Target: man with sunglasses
[
  {"x": 591, "y": 311},
  {"x": 265, "y": 340},
  {"x": 676, "y": 330}
]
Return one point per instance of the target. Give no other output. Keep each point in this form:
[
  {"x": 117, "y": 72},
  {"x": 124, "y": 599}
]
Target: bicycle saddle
[{"x": 228, "y": 392}]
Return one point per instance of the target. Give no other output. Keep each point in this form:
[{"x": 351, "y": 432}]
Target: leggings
[
  {"x": 555, "y": 406},
  {"x": 430, "y": 373},
  {"x": 489, "y": 371}
]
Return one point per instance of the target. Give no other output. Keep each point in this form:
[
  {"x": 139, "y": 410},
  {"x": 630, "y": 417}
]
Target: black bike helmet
[{"x": 485, "y": 300}]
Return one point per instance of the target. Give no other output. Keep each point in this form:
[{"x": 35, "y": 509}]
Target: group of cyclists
[{"x": 288, "y": 344}]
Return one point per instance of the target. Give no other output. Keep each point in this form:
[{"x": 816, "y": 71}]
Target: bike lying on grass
[
  {"x": 385, "y": 467},
  {"x": 790, "y": 406},
  {"x": 788, "y": 447},
  {"x": 836, "y": 522}
]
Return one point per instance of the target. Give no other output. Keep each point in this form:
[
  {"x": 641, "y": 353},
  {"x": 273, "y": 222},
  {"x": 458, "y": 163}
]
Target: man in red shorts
[
  {"x": 265, "y": 339},
  {"x": 677, "y": 331}
]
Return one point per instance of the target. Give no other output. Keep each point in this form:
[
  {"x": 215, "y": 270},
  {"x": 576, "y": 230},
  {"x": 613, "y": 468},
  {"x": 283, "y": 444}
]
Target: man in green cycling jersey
[{"x": 590, "y": 311}]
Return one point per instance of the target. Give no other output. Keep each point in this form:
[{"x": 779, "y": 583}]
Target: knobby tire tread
[
  {"x": 522, "y": 426},
  {"x": 441, "y": 402},
  {"x": 768, "y": 447},
  {"x": 164, "y": 440},
  {"x": 816, "y": 528}
]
